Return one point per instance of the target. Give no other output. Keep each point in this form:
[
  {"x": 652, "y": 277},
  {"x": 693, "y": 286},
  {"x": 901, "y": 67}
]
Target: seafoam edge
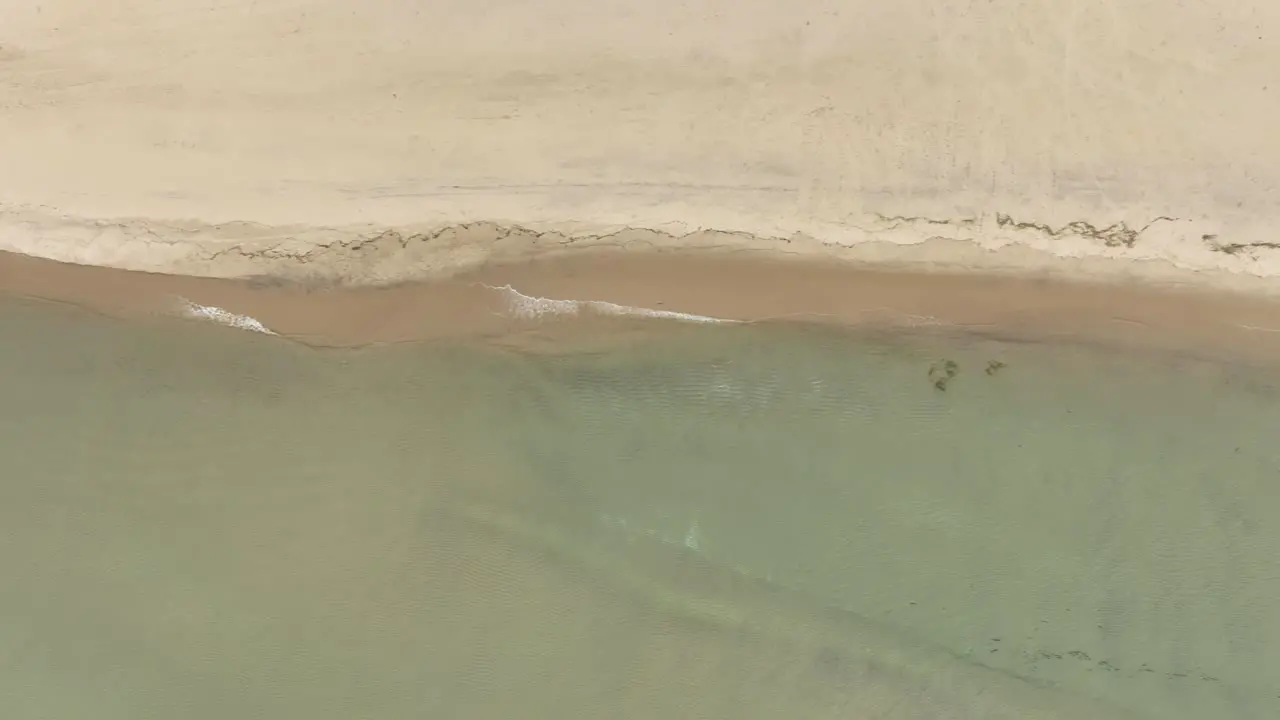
[
  {"x": 530, "y": 307},
  {"x": 196, "y": 311}
]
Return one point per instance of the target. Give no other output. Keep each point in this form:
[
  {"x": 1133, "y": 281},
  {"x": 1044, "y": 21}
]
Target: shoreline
[{"x": 510, "y": 299}]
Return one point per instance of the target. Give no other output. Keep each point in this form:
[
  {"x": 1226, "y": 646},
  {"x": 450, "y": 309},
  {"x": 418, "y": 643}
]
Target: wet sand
[{"x": 720, "y": 285}]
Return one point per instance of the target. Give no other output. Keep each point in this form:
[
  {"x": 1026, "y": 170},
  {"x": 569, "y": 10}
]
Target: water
[{"x": 709, "y": 521}]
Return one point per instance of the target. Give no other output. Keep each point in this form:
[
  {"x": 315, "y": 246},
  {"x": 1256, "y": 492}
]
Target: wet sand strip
[{"x": 478, "y": 304}]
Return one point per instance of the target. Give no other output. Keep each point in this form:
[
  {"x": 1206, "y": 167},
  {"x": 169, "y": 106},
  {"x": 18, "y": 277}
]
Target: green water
[{"x": 723, "y": 521}]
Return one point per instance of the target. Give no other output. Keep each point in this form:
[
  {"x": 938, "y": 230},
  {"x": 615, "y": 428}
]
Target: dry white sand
[{"x": 389, "y": 140}]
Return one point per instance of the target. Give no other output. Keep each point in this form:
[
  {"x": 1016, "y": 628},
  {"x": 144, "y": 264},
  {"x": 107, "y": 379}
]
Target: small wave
[
  {"x": 528, "y": 306},
  {"x": 222, "y": 317}
]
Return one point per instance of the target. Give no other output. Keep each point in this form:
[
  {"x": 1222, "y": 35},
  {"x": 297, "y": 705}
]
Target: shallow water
[{"x": 710, "y": 521}]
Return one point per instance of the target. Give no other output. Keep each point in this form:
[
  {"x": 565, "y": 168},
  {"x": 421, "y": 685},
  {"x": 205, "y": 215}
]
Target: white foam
[
  {"x": 528, "y": 306},
  {"x": 222, "y": 317}
]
